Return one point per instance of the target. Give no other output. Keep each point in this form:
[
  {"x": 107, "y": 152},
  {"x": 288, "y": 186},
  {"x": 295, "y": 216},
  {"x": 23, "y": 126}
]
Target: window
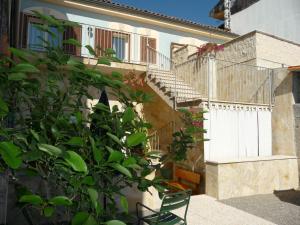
[
  {"x": 37, "y": 38},
  {"x": 296, "y": 87},
  {"x": 33, "y": 38},
  {"x": 118, "y": 41},
  {"x": 120, "y": 44}
]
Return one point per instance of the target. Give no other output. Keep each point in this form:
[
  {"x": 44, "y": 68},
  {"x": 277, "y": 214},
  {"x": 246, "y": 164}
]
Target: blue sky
[{"x": 195, "y": 10}]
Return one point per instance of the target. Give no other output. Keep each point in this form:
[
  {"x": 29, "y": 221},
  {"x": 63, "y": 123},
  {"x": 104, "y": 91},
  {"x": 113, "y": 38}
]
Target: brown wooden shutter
[
  {"x": 143, "y": 49},
  {"x": 23, "y": 30},
  {"x": 103, "y": 40},
  {"x": 25, "y": 19},
  {"x": 152, "y": 45},
  {"x": 75, "y": 33}
]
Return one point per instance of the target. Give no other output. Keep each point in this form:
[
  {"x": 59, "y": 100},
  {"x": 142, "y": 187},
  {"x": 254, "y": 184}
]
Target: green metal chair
[{"x": 170, "y": 202}]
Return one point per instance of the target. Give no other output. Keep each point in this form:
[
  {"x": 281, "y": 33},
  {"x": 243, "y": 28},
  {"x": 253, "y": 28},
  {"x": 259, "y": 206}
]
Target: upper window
[
  {"x": 120, "y": 43},
  {"x": 37, "y": 39}
]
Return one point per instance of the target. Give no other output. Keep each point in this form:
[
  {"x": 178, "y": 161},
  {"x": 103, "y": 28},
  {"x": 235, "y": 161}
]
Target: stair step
[{"x": 164, "y": 83}]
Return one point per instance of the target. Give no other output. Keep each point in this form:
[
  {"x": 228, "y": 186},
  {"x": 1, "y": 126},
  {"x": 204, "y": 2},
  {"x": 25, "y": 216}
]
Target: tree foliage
[{"x": 85, "y": 155}]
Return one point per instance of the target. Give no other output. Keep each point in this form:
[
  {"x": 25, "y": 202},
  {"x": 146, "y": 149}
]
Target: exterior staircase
[{"x": 162, "y": 78}]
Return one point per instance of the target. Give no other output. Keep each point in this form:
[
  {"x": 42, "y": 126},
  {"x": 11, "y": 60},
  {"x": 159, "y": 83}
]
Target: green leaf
[
  {"x": 31, "y": 199},
  {"x": 90, "y": 221},
  {"x": 50, "y": 149},
  {"x": 121, "y": 169},
  {"x": 3, "y": 108},
  {"x": 48, "y": 211},
  {"x": 114, "y": 138},
  {"x": 115, "y": 156},
  {"x": 94, "y": 199},
  {"x": 75, "y": 141},
  {"x": 32, "y": 155},
  {"x": 90, "y": 49},
  {"x": 35, "y": 135},
  {"x": 97, "y": 153},
  {"x": 128, "y": 115},
  {"x": 11, "y": 154},
  {"x": 75, "y": 161},
  {"x": 117, "y": 75},
  {"x": 80, "y": 218},
  {"x": 72, "y": 41},
  {"x": 114, "y": 222},
  {"x": 109, "y": 51},
  {"x": 129, "y": 161},
  {"x": 55, "y": 131},
  {"x": 61, "y": 200},
  {"x": 89, "y": 180},
  {"x": 22, "y": 54},
  {"x": 124, "y": 203},
  {"x": 102, "y": 107},
  {"x": 104, "y": 61},
  {"x": 17, "y": 76},
  {"x": 136, "y": 139},
  {"x": 49, "y": 19},
  {"x": 25, "y": 68}
]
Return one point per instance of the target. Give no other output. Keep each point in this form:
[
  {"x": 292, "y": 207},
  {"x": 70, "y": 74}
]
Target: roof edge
[{"x": 153, "y": 15}]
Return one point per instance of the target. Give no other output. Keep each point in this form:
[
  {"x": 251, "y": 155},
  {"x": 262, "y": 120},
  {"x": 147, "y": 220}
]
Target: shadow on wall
[
  {"x": 289, "y": 196},
  {"x": 285, "y": 82}
]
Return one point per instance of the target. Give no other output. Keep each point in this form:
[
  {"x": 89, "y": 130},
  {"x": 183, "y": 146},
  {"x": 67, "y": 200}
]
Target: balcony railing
[
  {"x": 225, "y": 81},
  {"x": 130, "y": 47}
]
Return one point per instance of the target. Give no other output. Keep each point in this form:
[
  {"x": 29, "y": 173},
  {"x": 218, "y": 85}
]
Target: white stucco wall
[
  {"x": 164, "y": 36},
  {"x": 277, "y": 17},
  {"x": 271, "y": 51}
]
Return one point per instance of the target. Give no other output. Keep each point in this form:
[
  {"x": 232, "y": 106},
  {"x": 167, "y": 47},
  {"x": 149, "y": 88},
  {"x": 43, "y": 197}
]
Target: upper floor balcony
[{"x": 130, "y": 47}]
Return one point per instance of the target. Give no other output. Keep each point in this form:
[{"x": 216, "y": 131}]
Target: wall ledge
[{"x": 249, "y": 159}]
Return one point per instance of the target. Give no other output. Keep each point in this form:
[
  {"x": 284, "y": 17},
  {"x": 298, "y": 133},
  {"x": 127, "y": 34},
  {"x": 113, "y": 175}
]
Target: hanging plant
[{"x": 207, "y": 48}]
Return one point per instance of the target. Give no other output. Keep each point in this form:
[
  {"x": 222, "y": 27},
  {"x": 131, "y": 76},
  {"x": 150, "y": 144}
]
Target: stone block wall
[
  {"x": 229, "y": 179},
  {"x": 275, "y": 52},
  {"x": 297, "y": 132},
  {"x": 283, "y": 123}
]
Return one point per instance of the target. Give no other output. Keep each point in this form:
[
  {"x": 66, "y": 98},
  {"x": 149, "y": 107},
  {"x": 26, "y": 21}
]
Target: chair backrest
[
  {"x": 176, "y": 200},
  {"x": 187, "y": 175}
]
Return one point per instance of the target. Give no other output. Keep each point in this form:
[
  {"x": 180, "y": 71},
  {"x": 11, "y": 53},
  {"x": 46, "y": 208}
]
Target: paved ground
[
  {"x": 204, "y": 210},
  {"x": 282, "y": 208}
]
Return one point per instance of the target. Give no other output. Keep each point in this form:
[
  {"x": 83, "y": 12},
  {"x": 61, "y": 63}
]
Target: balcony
[{"x": 130, "y": 47}]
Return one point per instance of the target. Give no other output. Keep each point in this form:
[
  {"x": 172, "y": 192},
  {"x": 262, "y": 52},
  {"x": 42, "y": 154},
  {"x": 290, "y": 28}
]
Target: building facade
[{"x": 280, "y": 18}]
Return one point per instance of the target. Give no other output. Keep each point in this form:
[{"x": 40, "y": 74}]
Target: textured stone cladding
[
  {"x": 241, "y": 49},
  {"x": 245, "y": 178},
  {"x": 283, "y": 123}
]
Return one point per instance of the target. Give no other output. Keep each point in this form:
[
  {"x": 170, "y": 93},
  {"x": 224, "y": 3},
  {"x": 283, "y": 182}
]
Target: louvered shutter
[
  {"x": 103, "y": 40},
  {"x": 75, "y": 33},
  {"x": 152, "y": 53}
]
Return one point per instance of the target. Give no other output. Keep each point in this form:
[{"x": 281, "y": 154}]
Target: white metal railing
[
  {"x": 130, "y": 47},
  {"x": 154, "y": 141},
  {"x": 158, "y": 61},
  {"x": 160, "y": 139},
  {"x": 221, "y": 80}
]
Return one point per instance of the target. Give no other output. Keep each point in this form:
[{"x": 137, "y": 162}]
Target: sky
[{"x": 195, "y": 10}]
